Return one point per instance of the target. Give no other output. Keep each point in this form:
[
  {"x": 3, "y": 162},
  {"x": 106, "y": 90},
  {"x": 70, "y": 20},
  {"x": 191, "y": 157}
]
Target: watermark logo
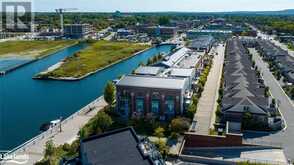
[
  {"x": 16, "y": 16},
  {"x": 13, "y": 158}
]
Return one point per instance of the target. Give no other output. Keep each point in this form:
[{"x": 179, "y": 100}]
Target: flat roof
[
  {"x": 176, "y": 57},
  {"x": 201, "y": 41},
  {"x": 209, "y": 31},
  {"x": 182, "y": 72},
  {"x": 153, "y": 82},
  {"x": 113, "y": 148},
  {"x": 148, "y": 70}
]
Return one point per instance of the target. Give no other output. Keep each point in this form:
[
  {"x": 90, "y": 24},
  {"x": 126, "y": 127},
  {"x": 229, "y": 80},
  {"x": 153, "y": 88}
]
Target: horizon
[{"x": 133, "y": 6}]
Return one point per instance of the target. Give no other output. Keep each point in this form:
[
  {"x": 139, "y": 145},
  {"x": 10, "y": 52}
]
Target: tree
[
  {"x": 164, "y": 20},
  {"x": 49, "y": 149},
  {"x": 159, "y": 132},
  {"x": 273, "y": 102},
  {"x": 292, "y": 92},
  {"x": 102, "y": 122},
  {"x": 109, "y": 93},
  {"x": 179, "y": 125},
  {"x": 162, "y": 147},
  {"x": 149, "y": 61},
  {"x": 266, "y": 91},
  {"x": 191, "y": 110}
]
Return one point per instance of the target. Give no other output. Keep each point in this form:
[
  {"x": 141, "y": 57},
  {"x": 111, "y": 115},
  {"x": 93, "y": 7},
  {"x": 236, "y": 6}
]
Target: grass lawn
[
  {"x": 96, "y": 56},
  {"x": 32, "y": 49}
]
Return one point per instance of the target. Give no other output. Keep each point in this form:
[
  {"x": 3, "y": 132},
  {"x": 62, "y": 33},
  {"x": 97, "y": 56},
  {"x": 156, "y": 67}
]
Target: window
[
  {"x": 155, "y": 105},
  {"x": 124, "y": 105},
  {"x": 140, "y": 104},
  {"x": 170, "y": 105}
]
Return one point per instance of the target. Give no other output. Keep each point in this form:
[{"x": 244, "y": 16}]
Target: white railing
[{"x": 52, "y": 131}]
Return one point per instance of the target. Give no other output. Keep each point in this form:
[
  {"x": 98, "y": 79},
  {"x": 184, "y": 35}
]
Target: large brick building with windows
[{"x": 147, "y": 96}]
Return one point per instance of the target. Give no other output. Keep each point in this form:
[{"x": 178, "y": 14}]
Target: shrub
[
  {"x": 180, "y": 125},
  {"x": 191, "y": 110},
  {"x": 159, "y": 132},
  {"x": 162, "y": 147}
]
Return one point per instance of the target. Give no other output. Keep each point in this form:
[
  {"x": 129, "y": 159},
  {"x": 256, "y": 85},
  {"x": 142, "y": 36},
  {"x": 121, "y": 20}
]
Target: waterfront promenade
[{"x": 34, "y": 148}]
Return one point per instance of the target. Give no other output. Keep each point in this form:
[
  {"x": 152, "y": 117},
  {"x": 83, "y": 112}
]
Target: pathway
[
  {"x": 70, "y": 129},
  {"x": 205, "y": 115}
]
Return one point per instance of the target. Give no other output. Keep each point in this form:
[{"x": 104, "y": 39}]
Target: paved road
[
  {"x": 285, "y": 137},
  {"x": 205, "y": 115},
  {"x": 271, "y": 38},
  {"x": 69, "y": 133}
]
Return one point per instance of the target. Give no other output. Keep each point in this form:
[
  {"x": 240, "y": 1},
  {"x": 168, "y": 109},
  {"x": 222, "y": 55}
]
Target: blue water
[
  {"x": 26, "y": 103},
  {"x": 11, "y": 62}
]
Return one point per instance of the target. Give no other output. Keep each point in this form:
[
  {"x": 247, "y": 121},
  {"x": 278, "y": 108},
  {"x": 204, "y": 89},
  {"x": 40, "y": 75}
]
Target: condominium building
[
  {"x": 150, "y": 96},
  {"x": 76, "y": 31}
]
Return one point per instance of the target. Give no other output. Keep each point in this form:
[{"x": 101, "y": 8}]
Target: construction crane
[{"x": 60, "y": 12}]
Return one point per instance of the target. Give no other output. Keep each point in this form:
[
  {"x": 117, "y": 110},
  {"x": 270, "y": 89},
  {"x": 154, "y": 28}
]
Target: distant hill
[
  {"x": 281, "y": 12},
  {"x": 288, "y": 12}
]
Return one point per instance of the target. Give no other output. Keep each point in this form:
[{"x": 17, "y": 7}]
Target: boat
[{"x": 48, "y": 125}]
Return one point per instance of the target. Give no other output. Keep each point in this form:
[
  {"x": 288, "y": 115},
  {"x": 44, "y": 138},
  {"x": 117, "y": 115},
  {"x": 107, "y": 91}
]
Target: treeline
[{"x": 269, "y": 24}]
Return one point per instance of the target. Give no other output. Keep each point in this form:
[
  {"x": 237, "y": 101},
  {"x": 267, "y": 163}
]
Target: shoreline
[
  {"x": 70, "y": 129},
  {"x": 87, "y": 74},
  {"x": 4, "y": 72}
]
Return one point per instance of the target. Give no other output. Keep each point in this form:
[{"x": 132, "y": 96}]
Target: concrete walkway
[
  {"x": 70, "y": 129},
  {"x": 205, "y": 115}
]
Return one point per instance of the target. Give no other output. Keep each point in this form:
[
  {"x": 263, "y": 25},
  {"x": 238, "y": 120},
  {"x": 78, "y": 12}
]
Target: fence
[{"x": 52, "y": 131}]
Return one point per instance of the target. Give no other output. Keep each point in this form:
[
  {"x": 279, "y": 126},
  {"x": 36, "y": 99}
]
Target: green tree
[
  {"x": 159, "y": 132},
  {"x": 162, "y": 147},
  {"x": 164, "y": 20},
  {"x": 292, "y": 92},
  {"x": 266, "y": 91},
  {"x": 109, "y": 93},
  {"x": 149, "y": 62},
  {"x": 49, "y": 149},
  {"x": 179, "y": 125},
  {"x": 191, "y": 110},
  {"x": 102, "y": 122},
  {"x": 273, "y": 102}
]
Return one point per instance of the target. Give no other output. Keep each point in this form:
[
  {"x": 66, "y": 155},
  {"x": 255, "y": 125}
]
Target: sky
[{"x": 164, "y": 5}]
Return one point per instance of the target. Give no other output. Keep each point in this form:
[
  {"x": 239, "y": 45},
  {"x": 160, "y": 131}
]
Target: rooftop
[
  {"x": 153, "y": 82},
  {"x": 176, "y": 57},
  {"x": 117, "y": 147},
  {"x": 148, "y": 70},
  {"x": 242, "y": 87},
  {"x": 201, "y": 41},
  {"x": 181, "y": 72},
  {"x": 209, "y": 31}
]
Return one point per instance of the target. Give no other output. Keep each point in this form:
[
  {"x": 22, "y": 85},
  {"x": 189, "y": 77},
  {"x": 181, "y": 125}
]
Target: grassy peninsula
[
  {"x": 32, "y": 49},
  {"x": 96, "y": 56}
]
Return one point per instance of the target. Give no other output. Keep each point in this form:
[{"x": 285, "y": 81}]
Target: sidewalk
[
  {"x": 205, "y": 115},
  {"x": 70, "y": 129}
]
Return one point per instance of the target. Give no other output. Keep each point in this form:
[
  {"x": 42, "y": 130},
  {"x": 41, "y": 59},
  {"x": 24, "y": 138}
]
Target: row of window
[{"x": 140, "y": 102}]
